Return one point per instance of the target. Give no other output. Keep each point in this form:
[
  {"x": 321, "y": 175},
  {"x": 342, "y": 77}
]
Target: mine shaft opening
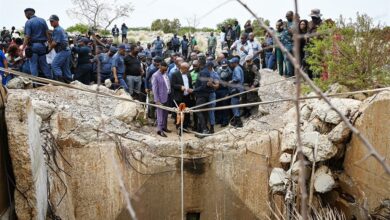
[{"x": 193, "y": 216}]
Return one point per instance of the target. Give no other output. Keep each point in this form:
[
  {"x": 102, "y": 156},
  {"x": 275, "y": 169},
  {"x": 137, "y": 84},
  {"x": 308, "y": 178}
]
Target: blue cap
[
  {"x": 113, "y": 49},
  {"x": 234, "y": 60},
  {"x": 122, "y": 46},
  {"x": 84, "y": 39},
  {"x": 127, "y": 47},
  {"x": 141, "y": 55},
  {"x": 224, "y": 62},
  {"x": 209, "y": 64}
]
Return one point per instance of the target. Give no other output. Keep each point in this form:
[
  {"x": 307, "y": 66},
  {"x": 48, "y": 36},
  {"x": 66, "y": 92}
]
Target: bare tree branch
[{"x": 99, "y": 13}]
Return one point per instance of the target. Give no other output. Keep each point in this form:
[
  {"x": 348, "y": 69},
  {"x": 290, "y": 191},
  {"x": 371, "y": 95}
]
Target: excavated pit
[{"x": 70, "y": 151}]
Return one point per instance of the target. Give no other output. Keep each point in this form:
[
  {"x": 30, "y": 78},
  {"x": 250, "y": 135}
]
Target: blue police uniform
[
  {"x": 36, "y": 28},
  {"x": 106, "y": 66},
  {"x": 158, "y": 47},
  {"x": 61, "y": 62},
  {"x": 238, "y": 81},
  {"x": 119, "y": 64}
]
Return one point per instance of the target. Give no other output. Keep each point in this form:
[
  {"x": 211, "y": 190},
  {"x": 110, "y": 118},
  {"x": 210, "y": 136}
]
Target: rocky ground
[{"x": 69, "y": 147}]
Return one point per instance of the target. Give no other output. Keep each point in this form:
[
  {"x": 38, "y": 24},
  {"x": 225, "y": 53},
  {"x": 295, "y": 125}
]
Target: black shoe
[
  {"x": 233, "y": 122},
  {"x": 201, "y": 135},
  {"x": 238, "y": 123},
  {"x": 224, "y": 125},
  {"x": 161, "y": 133},
  {"x": 166, "y": 130},
  {"x": 211, "y": 129}
]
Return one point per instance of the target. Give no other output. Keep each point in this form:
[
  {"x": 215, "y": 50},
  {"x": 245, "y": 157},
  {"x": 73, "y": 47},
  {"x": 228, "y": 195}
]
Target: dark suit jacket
[{"x": 177, "y": 83}]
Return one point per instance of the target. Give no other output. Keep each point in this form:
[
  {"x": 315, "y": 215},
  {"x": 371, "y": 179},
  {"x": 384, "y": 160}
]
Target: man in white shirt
[
  {"x": 242, "y": 48},
  {"x": 181, "y": 89}
]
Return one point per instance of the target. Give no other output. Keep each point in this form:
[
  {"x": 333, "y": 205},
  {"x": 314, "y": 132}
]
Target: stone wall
[
  {"x": 69, "y": 154},
  {"x": 366, "y": 180}
]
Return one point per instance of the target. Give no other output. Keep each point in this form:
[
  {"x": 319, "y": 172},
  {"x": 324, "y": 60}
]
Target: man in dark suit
[
  {"x": 161, "y": 88},
  {"x": 182, "y": 88}
]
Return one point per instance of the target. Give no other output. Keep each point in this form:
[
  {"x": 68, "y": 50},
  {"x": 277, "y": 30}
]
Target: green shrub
[{"x": 355, "y": 54}]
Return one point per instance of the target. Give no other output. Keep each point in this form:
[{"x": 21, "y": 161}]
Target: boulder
[
  {"x": 285, "y": 158},
  {"x": 296, "y": 167},
  {"x": 305, "y": 112},
  {"x": 340, "y": 133},
  {"x": 289, "y": 139},
  {"x": 19, "y": 83},
  {"x": 324, "y": 112},
  {"x": 325, "y": 149},
  {"x": 278, "y": 180},
  {"x": 126, "y": 112},
  {"x": 323, "y": 180},
  {"x": 43, "y": 109}
]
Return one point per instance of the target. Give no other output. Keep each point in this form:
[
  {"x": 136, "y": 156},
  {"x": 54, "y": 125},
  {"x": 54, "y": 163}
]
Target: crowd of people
[{"x": 164, "y": 73}]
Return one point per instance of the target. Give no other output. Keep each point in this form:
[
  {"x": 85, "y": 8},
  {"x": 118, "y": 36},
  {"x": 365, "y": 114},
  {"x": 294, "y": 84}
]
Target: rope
[
  {"x": 241, "y": 93},
  {"x": 290, "y": 99},
  {"x": 182, "y": 164},
  {"x": 192, "y": 109},
  {"x": 53, "y": 82}
]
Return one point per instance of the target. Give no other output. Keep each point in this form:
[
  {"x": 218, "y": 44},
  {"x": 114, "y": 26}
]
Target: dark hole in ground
[
  {"x": 193, "y": 216},
  {"x": 195, "y": 166}
]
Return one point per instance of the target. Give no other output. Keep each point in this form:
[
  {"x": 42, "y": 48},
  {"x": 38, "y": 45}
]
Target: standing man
[
  {"x": 251, "y": 81},
  {"x": 288, "y": 42},
  {"x": 237, "y": 29},
  {"x": 242, "y": 48},
  {"x": 181, "y": 90},
  {"x": 256, "y": 49},
  {"x": 193, "y": 42},
  {"x": 175, "y": 41},
  {"x": 118, "y": 67},
  {"x": 124, "y": 30},
  {"x": 158, "y": 45},
  {"x": 133, "y": 71},
  {"x": 115, "y": 33},
  {"x": 161, "y": 89},
  {"x": 36, "y": 35},
  {"x": 84, "y": 61},
  {"x": 214, "y": 85},
  {"x": 61, "y": 61},
  {"x": 277, "y": 51},
  {"x": 153, "y": 68},
  {"x": 237, "y": 83},
  {"x": 225, "y": 74},
  {"x": 106, "y": 64},
  {"x": 212, "y": 44},
  {"x": 203, "y": 88},
  {"x": 184, "y": 47}
]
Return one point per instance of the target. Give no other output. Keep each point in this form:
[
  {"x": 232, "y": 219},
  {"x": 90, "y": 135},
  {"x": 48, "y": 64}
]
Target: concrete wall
[
  {"x": 368, "y": 182},
  {"x": 231, "y": 185},
  {"x": 28, "y": 160}
]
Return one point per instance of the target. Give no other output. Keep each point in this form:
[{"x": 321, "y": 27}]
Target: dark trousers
[
  {"x": 202, "y": 116},
  {"x": 222, "y": 116},
  {"x": 186, "y": 122},
  {"x": 84, "y": 73}
]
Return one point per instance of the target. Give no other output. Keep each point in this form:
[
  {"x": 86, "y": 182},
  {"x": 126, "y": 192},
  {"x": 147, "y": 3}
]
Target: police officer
[
  {"x": 236, "y": 87},
  {"x": 59, "y": 42},
  {"x": 158, "y": 46},
  {"x": 118, "y": 67},
  {"x": 105, "y": 60},
  {"x": 36, "y": 35},
  {"x": 84, "y": 61}
]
